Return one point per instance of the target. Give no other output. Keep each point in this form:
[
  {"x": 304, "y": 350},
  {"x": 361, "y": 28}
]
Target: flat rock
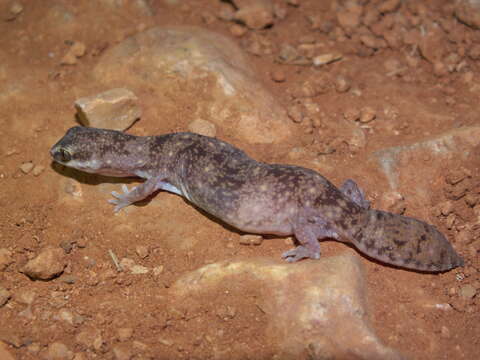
[
  {"x": 315, "y": 306},
  {"x": 48, "y": 264},
  {"x": 181, "y": 63},
  {"x": 115, "y": 109},
  {"x": 398, "y": 163}
]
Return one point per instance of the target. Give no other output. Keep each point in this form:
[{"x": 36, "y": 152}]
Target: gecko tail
[{"x": 406, "y": 242}]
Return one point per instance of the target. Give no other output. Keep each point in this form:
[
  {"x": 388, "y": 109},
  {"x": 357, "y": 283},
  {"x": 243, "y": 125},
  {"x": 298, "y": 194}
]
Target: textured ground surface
[{"x": 397, "y": 111}]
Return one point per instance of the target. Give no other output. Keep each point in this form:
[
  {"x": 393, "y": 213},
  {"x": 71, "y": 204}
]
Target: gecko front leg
[{"x": 139, "y": 192}]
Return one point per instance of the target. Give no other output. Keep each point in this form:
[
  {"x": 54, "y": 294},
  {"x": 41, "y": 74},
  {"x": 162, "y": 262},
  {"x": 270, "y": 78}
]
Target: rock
[
  {"x": 58, "y": 351},
  {"x": 25, "y": 296},
  {"x": 124, "y": 334},
  {"x": 468, "y": 12},
  {"x": 5, "y": 295},
  {"x": 251, "y": 239},
  {"x": 14, "y": 9},
  {"x": 122, "y": 352},
  {"x": 256, "y": 14},
  {"x": 38, "y": 169},
  {"x": 26, "y": 167},
  {"x": 367, "y": 114},
  {"x": 203, "y": 127},
  {"x": 90, "y": 338},
  {"x": 76, "y": 50},
  {"x": 142, "y": 251},
  {"x": 129, "y": 264},
  {"x": 342, "y": 84},
  {"x": 467, "y": 291},
  {"x": 308, "y": 306},
  {"x": 399, "y": 162},
  {"x": 203, "y": 65},
  {"x": 115, "y": 109},
  {"x": 278, "y": 75},
  {"x": 4, "y": 353},
  {"x": 48, "y": 264},
  {"x": 324, "y": 59},
  {"x": 5, "y": 258}
]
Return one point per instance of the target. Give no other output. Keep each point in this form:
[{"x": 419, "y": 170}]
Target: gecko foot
[
  {"x": 121, "y": 200},
  {"x": 300, "y": 252}
]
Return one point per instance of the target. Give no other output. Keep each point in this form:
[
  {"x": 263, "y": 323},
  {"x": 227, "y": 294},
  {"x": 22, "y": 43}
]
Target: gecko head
[{"x": 89, "y": 149}]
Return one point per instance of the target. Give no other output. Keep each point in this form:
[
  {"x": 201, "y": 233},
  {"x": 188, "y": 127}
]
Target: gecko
[{"x": 256, "y": 197}]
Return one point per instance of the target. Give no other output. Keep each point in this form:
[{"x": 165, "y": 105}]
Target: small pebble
[
  {"x": 25, "y": 296},
  {"x": 238, "y": 30},
  {"x": 26, "y": 167},
  {"x": 367, "y": 114},
  {"x": 351, "y": 114},
  {"x": 467, "y": 291},
  {"x": 296, "y": 113},
  {"x": 342, "y": 84},
  {"x": 142, "y": 251},
  {"x": 251, "y": 239},
  {"x": 278, "y": 75},
  {"x": 157, "y": 270},
  {"x": 326, "y": 59},
  {"x": 124, "y": 333},
  {"x": 445, "y": 332},
  {"x": 37, "y": 170}
]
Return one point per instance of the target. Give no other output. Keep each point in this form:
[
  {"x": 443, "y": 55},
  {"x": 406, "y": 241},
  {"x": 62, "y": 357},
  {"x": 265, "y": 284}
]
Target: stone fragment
[
  {"x": 210, "y": 68},
  {"x": 115, "y": 109},
  {"x": 124, "y": 334},
  {"x": 308, "y": 307},
  {"x": 324, "y": 59},
  {"x": 342, "y": 84},
  {"x": 26, "y": 167},
  {"x": 467, "y": 291},
  {"x": 13, "y": 11},
  {"x": 129, "y": 264},
  {"x": 38, "y": 169},
  {"x": 278, "y": 75},
  {"x": 48, "y": 264},
  {"x": 256, "y": 14},
  {"x": 367, "y": 114},
  {"x": 142, "y": 251},
  {"x": 58, "y": 351},
  {"x": 251, "y": 239},
  {"x": 76, "y": 50},
  {"x": 203, "y": 127},
  {"x": 5, "y": 295},
  {"x": 25, "y": 296},
  {"x": 468, "y": 12},
  {"x": 5, "y": 258}
]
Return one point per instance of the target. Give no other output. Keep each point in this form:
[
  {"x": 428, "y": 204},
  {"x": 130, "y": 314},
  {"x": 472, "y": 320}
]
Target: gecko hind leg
[
  {"x": 309, "y": 246},
  {"x": 307, "y": 235},
  {"x": 351, "y": 190}
]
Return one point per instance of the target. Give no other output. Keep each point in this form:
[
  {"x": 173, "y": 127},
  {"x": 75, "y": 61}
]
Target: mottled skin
[{"x": 256, "y": 197}]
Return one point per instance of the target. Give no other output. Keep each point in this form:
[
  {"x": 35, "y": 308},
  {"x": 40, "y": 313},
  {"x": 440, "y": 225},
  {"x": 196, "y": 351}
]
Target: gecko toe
[{"x": 125, "y": 189}]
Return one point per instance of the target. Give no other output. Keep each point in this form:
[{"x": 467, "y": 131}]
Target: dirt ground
[{"x": 400, "y": 61}]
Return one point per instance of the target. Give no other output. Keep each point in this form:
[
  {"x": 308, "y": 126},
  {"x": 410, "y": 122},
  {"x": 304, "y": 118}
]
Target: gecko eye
[{"x": 63, "y": 155}]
